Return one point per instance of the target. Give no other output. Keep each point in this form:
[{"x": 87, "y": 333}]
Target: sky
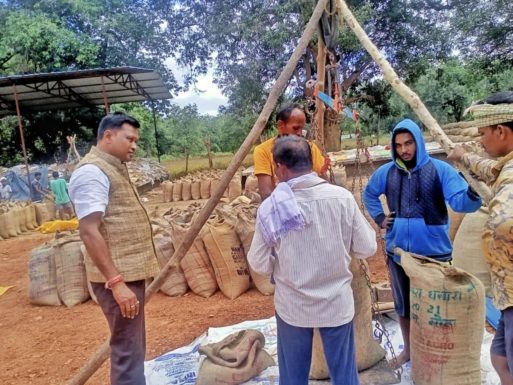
[{"x": 207, "y": 96}]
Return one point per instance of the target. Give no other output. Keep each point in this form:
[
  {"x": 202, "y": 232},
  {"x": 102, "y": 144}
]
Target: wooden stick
[
  {"x": 102, "y": 353},
  {"x": 408, "y": 95}
]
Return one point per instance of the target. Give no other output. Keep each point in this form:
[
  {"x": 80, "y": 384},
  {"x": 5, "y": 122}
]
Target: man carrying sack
[
  {"x": 494, "y": 119},
  {"x": 305, "y": 233}
]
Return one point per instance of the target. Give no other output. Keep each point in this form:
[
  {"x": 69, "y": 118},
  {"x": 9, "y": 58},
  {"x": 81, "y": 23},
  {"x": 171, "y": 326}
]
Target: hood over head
[{"x": 421, "y": 154}]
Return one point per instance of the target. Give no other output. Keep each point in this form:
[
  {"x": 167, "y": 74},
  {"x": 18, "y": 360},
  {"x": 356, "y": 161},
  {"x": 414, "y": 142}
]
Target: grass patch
[{"x": 176, "y": 167}]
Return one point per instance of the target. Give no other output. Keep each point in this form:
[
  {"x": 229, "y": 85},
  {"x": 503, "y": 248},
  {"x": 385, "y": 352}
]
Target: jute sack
[
  {"x": 175, "y": 284},
  {"x": 89, "y": 287},
  {"x": 245, "y": 227},
  {"x": 195, "y": 190},
  {"x": 42, "y": 277},
  {"x": 251, "y": 185},
  {"x": 177, "y": 191},
  {"x": 27, "y": 211},
  {"x": 340, "y": 175},
  {"x": 214, "y": 183},
  {"x": 227, "y": 257},
  {"x": 205, "y": 187},
  {"x": 71, "y": 272},
  {"x": 17, "y": 217},
  {"x": 42, "y": 214},
  {"x": 447, "y": 307},
  {"x": 22, "y": 219},
  {"x": 454, "y": 222},
  {"x": 186, "y": 190},
  {"x": 7, "y": 228},
  {"x": 234, "y": 360},
  {"x": 368, "y": 351},
  {"x": 33, "y": 216},
  {"x": 234, "y": 188},
  {"x": 196, "y": 265},
  {"x": 167, "y": 191},
  {"x": 467, "y": 252},
  {"x": 50, "y": 204}
]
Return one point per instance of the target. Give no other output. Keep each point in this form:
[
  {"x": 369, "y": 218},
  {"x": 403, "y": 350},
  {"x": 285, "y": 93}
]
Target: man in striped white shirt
[{"x": 306, "y": 233}]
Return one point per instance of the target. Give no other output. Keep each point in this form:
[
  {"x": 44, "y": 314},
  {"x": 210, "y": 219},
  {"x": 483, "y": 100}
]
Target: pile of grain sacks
[
  {"x": 19, "y": 217},
  {"x": 199, "y": 185}
]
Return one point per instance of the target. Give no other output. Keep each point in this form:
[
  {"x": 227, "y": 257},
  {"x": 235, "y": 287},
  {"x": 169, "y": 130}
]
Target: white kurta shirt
[
  {"x": 89, "y": 190},
  {"x": 311, "y": 267}
]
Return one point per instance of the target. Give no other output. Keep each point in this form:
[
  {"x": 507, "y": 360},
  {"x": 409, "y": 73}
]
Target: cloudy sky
[{"x": 207, "y": 96}]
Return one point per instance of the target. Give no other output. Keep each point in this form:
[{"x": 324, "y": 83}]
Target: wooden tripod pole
[
  {"x": 408, "y": 95},
  {"x": 102, "y": 353}
]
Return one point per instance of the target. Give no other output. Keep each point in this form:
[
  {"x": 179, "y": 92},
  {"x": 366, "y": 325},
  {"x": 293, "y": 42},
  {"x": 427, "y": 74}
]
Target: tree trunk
[{"x": 187, "y": 152}]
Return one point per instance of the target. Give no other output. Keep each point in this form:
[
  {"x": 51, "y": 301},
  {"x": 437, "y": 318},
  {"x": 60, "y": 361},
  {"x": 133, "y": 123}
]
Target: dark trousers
[
  {"x": 128, "y": 339},
  {"x": 295, "y": 353}
]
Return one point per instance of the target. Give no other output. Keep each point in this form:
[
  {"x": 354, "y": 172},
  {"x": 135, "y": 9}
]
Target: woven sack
[
  {"x": 177, "y": 191},
  {"x": 340, "y": 175},
  {"x": 234, "y": 360},
  {"x": 22, "y": 218},
  {"x": 17, "y": 216},
  {"x": 228, "y": 259},
  {"x": 205, "y": 188},
  {"x": 447, "y": 307},
  {"x": 368, "y": 351},
  {"x": 175, "y": 284},
  {"x": 245, "y": 227},
  {"x": 196, "y": 265},
  {"x": 251, "y": 185},
  {"x": 186, "y": 190},
  {"x": 71, "y": 272},
  {"x": 7, "y": 228},
  {"x": 234, "y": 188},
  {"x": 467, "y": 250},
  {"x": 167, "y": 190},
  {"x": 42, "y": 277},
  {"x": 27, "y": 211},
  {"x": 42, "y": 214},
  {"x": 196, "y": 189}
]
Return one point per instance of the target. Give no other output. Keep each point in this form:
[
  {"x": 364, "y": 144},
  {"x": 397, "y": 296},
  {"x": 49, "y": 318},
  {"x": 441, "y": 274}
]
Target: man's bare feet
[{"x": 402, "y": 358}]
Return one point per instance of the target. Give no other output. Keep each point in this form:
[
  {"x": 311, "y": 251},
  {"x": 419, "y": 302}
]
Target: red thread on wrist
[{"x": 113, "y": 281}]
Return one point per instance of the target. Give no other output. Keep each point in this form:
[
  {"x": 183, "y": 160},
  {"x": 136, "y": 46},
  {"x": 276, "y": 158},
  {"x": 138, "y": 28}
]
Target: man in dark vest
[
  {"x": 417, "y": 188},
  {"x": 116, "y": 232}
]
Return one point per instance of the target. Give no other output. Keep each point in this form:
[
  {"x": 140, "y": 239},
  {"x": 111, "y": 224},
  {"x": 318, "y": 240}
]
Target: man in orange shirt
[{"x": 290, "y": 121}]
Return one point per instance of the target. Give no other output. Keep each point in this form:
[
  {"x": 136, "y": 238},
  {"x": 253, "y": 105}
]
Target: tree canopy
[{"x": 449, "y": 53}]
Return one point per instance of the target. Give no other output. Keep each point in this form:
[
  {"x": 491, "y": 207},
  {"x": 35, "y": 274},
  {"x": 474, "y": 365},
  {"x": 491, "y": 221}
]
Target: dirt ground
[{"x": 47, "y": 345}]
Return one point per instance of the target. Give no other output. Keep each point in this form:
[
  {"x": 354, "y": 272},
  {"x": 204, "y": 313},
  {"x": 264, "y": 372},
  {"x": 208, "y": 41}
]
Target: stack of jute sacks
[
  {"x": 217, "y": 257},
  {"x": 57, "y": 272},
  {"x": 19, "y": 217},
  {"x": 199, "y": 185}
]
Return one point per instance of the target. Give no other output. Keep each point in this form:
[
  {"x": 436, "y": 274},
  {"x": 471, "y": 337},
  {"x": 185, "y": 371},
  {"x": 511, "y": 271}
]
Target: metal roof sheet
[{"x": 70, "y": 89}]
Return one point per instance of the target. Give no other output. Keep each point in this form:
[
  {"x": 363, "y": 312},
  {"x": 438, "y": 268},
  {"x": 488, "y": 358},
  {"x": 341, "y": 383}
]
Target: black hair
[
  {"x": 37, "y": 174},
  {"x": 114, "y": 122},
  {"x": 502, "y": 97},
  {"x": 284, "y": 113},
  {"x": 294, "y": 152},
  {"x": 55, "y": 174}
]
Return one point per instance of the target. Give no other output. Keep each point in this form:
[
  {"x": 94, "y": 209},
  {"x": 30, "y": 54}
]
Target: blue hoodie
[{"x": 419, "y": 198}]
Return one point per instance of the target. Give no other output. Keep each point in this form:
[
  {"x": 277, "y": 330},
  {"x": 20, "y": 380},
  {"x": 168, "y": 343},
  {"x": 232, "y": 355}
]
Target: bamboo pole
[
  {"x": 102, "y": 352},
  {"x": 319, "y": 104},
  {"x": 408, "y": 95}
]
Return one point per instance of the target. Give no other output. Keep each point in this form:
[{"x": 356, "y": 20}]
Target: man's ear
[{"x": 280, "y": 124}]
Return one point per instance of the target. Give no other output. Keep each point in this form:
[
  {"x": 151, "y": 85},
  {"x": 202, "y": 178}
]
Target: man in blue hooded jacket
[{"x": 418, "y": 189}]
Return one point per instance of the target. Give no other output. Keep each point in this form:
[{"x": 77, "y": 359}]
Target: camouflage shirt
[{"x": 498, "y": 231}]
